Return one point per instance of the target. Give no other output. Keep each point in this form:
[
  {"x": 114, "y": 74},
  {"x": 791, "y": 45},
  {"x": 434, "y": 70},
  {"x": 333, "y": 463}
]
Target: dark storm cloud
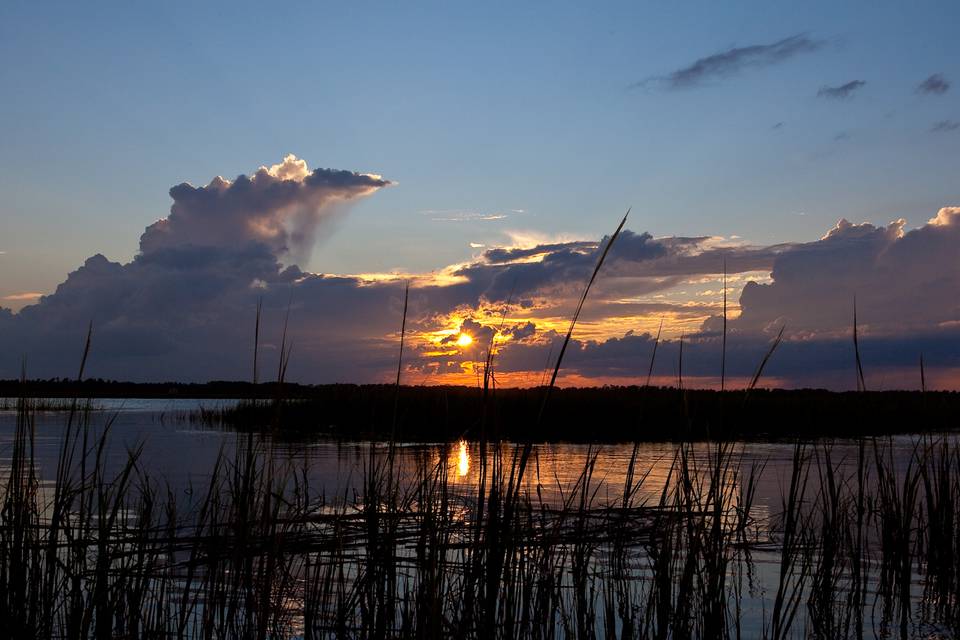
[
  {"x": 841, "y": 92},
  {"x": 733, "y": 60},
  {"x": 935, "y": 84},
  {"x": 944, "y": 126}
]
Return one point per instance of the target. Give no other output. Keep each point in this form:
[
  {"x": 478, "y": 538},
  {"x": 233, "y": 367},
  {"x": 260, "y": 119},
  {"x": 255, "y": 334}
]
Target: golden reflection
[{"x": 463, "y": 459}]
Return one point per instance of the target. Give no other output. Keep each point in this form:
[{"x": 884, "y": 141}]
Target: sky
[{"x": 480, "y": 152}]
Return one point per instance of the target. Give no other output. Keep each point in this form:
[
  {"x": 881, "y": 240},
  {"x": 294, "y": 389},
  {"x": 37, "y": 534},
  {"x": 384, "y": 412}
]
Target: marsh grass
[{"x": 858, "y": 546}]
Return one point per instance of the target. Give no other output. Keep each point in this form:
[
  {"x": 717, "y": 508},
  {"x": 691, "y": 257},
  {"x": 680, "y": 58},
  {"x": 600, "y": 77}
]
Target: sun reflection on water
[{"x": 463, "y": 459}]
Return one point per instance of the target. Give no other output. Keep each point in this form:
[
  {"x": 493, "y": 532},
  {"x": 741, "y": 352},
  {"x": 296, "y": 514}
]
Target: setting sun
[{"x": 464, "y": 340}]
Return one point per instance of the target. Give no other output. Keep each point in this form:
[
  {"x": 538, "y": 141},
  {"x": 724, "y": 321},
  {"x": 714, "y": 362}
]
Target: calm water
[{"x": 182, "y": 453}]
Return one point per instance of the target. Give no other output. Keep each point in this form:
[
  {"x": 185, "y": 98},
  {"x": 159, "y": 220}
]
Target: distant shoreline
[
  {"x": 232, "y": 389},
  {"x": 588, "y": 414}
]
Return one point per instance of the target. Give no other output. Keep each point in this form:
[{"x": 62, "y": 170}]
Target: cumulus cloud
[
  {"x": 841, "y": 92},
  {"x": 903, "y": 281},
  {"x": 177, "y": 310},
  {"x": 280, "y": 207},
  {"x": 183, "y": 308},
  {"x": 935, "y": 84},
  {"x": 907, "y": 289},
  {"x": 734, "y": 60}
]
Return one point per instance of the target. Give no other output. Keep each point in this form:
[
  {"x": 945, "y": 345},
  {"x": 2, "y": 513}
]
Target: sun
[{"x": 464, "y": 340}]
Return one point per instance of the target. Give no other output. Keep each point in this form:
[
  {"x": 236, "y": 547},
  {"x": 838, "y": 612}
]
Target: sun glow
[{"x": 464, "y": 340}]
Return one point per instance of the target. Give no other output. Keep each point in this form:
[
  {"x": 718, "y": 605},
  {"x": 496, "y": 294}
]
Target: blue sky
[
  {"x": 548, "y": 115},
  {"x": 468, "y": 106}
]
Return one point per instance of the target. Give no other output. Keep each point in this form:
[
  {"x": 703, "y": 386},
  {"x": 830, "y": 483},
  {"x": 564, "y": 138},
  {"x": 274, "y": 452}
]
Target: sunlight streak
[{"x": 463, "y": 459}]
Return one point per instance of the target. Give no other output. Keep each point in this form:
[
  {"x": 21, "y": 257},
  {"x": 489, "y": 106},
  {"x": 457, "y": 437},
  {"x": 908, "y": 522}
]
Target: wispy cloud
[
  {"x": 935, "y": 84},
  {"x": 945, "y": 125},
  {"x": 19, "y": 297},
  {"x": 460, "y": 215},
  {"x": 732, "y": 61},
  {"x": 841, "y": 92}
]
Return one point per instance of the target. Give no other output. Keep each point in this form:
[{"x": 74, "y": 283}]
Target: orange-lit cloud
[
  {"x": 30, "y": 295},
  {"x": 183, "y": 308}
]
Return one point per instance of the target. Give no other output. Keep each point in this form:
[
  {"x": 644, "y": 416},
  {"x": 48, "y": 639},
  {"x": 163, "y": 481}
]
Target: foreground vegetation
[{"x": 858, "y": 547}]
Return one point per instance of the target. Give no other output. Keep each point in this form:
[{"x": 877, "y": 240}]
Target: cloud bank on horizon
[{"x": 183, "y": 308}]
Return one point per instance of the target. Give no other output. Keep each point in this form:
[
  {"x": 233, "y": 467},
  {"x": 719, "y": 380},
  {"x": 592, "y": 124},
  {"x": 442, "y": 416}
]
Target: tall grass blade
[{"x": 861, "y": 383}]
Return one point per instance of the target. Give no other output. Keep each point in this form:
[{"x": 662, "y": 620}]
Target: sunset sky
[{"x": 163, "y": 167}]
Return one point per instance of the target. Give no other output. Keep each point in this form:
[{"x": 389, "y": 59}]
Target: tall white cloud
[
  {"x": 280, "y": 206},
  {"x": 902, "y": 280}
]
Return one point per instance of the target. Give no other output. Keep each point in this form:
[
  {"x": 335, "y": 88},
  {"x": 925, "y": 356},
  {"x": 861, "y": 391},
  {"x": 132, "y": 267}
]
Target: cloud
[
  {"x": 903, "y": 281},
  {"x": 186, "y": 311},
  {"x": 935, "y": 85},
  {"x": 841, "y": 92},
  {"x": 183, "y": 309},
  {"x": 178, "y": 309},
  {"x": 521, "y": 331},
  {"x": 457, "y": 215},
  {"x": 30, "y": 295},
  {"x": 732, "y": 61},
  {"x": 889, "y": 361},
  {"x": 945, "y": 125},
  {"x": 280, "y": 207}
]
